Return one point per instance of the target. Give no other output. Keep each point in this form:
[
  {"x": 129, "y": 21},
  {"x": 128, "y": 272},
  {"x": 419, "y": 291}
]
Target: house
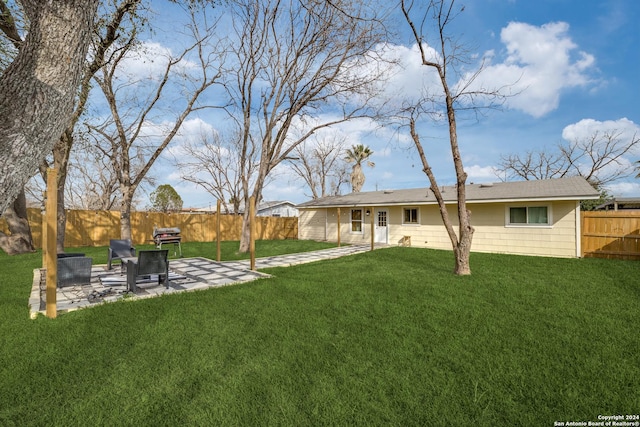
[
  {"x": 277, "y": 208},
  {"x": 620, "y": 203},
  {"x": 526, "y": 217}
]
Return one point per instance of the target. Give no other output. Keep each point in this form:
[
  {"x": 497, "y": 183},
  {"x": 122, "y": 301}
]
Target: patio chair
[
  {"x": 74, "y": 270},
  {"x": 119, "y": 249},
  {"x": 148, "y": 263}
]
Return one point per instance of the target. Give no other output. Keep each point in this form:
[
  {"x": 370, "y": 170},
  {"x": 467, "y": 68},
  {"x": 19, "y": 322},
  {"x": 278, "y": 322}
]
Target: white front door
[{"x": 381, "y": 227}]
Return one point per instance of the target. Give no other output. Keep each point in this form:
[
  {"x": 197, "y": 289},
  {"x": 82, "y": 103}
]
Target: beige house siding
[
  {"x": 312, "y": 225},
  {"x": 347, "y": 235},
  {"x": 558, "y": 239},
  {"x": 492, "y": 234}
]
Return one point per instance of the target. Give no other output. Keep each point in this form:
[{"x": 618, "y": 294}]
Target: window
[
  {"x": 410, "y": 216},
  {"x": 356, "y": 220},
  {"x": 529, "y": 215},
  {"x": 382, "y": 218}
]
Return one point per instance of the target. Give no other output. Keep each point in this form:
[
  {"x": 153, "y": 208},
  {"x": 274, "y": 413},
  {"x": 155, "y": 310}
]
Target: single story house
[
  {"x": 620, "y": 204},
  {"x": 526, "y": 217},
  {"x": 277, "y": 208}
]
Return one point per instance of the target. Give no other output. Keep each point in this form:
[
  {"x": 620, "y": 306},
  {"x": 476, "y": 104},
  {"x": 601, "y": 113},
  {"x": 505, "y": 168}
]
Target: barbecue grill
[{"x": 167, "y": 235}]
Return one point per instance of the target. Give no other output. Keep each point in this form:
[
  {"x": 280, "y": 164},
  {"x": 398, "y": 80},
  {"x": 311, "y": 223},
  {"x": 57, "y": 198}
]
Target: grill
[{"x": 163, "y": 236}]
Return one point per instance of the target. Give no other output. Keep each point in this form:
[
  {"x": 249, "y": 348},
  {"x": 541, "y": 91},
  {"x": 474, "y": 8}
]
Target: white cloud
[
  {"x": 148, "y": 61},
  {"x": 624, "y": 130},
  {"x": 413, "y": 78},
  {"x": 476, "y": 173},
  {"x": 624, "y": 189},
  {"x": 404, "y": 78},
  {"x": 281, "y": 191},
  {"x": 191, "y": 133},
  {"x": 587, "y": 127},
  {"x": 541, "y": 62},
  {"x": 385, "y": 152}
]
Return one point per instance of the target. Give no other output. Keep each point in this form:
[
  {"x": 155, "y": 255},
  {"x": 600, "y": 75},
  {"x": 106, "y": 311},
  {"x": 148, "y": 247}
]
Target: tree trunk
[
  {"x": 61, "y": 216},
  {"x": 357, "y": 178},
  {"x": 20, "y": 240},
  {"x": 125, "y": 214},
  {"x": 462, "y": 251},
  {"x": 38, "y": 89},
  {"x": 61, "y": 154},
  {"x": 245, "y": 234}
]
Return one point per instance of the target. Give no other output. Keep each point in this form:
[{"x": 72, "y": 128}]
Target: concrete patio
[{"x": 185, "y": 274}]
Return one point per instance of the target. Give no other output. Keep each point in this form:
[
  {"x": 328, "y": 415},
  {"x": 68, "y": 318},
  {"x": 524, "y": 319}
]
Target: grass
[{"x": 389, "y": 337}]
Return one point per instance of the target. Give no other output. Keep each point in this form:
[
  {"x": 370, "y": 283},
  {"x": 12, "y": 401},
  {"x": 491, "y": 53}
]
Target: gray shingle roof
[{"x": 574, "y": 188}]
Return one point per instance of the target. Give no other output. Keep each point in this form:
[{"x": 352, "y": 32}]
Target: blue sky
[{"x": 575, "y": 62}]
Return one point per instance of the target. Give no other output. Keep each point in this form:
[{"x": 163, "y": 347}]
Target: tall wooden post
[
  {"x": 50, "y": 243},
  {"x": 252, "y": 231},
  {"x": 338, "y": 227},
  {"x": 43, "y": 218},
  {"x": 372, "y": 227},
  {"x": 218, "y": 231}
]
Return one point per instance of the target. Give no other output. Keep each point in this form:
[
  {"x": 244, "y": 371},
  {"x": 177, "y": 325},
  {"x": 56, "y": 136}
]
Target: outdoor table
[{"x": 124, "y": 261}]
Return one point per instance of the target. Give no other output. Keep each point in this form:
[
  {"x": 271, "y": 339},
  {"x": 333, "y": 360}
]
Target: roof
[
  {"x": 621, "y": 203},
  {"x": 574, "y": 188},
  {"x": 273, "y": 204}
]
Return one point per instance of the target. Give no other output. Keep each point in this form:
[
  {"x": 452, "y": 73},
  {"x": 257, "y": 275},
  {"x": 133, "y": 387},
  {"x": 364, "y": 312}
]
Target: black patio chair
[
  {"x": 148, "y": 263},
  {"x": 74, "y": 270},
  {"x": 119, "y": 249}
]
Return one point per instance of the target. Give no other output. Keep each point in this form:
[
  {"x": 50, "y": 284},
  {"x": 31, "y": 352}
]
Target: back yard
[{"x": 389, "y": 337}]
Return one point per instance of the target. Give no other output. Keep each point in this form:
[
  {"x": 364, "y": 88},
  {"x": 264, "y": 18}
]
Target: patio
[{"x": 185, "y": 274}]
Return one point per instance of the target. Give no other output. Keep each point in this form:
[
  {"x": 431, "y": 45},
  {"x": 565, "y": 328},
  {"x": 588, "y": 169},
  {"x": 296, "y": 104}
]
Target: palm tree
[{"x": 356, "y": 155}]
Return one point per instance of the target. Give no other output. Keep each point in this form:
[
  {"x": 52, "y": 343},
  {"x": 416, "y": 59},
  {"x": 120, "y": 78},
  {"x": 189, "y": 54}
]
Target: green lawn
[{"x": 389, "y": 337}]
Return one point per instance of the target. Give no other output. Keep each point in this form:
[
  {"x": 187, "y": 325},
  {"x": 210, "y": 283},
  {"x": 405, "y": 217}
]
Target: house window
[
  {"x": 356, "y": 220},
  {"x": 529, "y": 215},
  {"x": 410, "y": 216}
]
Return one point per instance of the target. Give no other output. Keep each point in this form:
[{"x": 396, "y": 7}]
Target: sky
[{"x": 572, "y": 64}]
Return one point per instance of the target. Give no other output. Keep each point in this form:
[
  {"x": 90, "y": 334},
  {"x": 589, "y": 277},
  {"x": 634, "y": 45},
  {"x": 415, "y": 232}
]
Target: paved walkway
[{"x": 186, "y": 274}]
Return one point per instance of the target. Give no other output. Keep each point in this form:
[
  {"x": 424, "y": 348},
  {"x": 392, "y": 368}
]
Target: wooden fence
[
  {"x": 95, "y": 228},
  {"x": 611, "y": 234}
]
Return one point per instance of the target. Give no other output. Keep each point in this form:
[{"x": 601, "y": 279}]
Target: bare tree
[
  {"x": 213, "y": 162},
  {"x": 20, "y": 240},
  {"x": 109, "y": 28},
  {"x": 291, "y": 58},
  {"x": 599, "y": 158},
  {"x": 443, "y": 60},
  {"x": 10, "y": 22},
  {"x": 127, "y": 130},
  {"x": 37, "y": 90},
  {"x": 320, "y": 164},
  {"x": 91, "y": 181}
]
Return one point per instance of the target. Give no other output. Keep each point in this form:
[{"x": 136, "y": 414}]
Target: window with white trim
[
  {"x": 410, "y": 216},
  {"x": 529, "y": 215},
  {"x": 356, "y": 220}
]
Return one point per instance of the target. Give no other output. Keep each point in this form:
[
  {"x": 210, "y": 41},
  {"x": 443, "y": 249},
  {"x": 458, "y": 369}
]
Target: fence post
[
  {"x": 252, "y": 231},
  {"x": 52, "y": 232},
  {"x": 43, "y": 233},
  {"x": 218, "y": 230}
]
